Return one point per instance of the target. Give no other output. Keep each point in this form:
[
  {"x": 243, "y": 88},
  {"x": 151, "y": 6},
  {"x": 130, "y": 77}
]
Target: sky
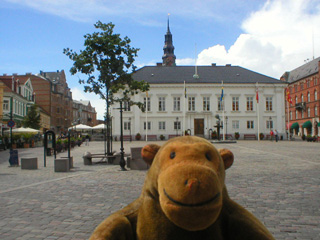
[{"x": 266, "y": 36}]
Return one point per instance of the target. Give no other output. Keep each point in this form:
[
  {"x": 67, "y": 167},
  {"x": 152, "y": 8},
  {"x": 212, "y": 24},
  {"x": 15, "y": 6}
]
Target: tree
[
  {"x": 107, "y": 61},
  {"x": 32, "y": 119}
]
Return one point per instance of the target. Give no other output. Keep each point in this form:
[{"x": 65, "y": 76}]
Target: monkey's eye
[
  {"x": 208, "y": 156},
  {"x": 172, "y": 155}
]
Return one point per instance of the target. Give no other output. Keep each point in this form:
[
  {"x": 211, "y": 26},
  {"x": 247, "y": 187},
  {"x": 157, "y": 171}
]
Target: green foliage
[
  {"x": 32, "y": 119},
  {"x": 107, "y": 60}
]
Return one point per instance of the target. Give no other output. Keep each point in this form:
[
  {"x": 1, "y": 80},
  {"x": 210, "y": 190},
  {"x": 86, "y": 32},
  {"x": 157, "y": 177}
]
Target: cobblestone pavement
[{"x": 278, "y": 182}]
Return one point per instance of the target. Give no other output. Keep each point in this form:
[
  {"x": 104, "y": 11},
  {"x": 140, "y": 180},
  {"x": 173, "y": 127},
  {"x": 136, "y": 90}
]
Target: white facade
[{"x": 198, "y": 110}]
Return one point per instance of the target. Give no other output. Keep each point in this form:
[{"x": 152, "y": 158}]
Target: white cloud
[
  {"x": 96, "y": 102},
  {"x": 277, "y": 38}
]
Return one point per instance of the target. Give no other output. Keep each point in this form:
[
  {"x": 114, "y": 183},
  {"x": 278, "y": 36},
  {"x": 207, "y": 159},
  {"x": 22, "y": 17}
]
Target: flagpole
[
  {"x": 184, "y": 108},
  {"x": 258, "y": 115},
  {"x": 146, "y": 116},
  {"x": 288, "y": 99},
  {"x": 223, "y": 120}
]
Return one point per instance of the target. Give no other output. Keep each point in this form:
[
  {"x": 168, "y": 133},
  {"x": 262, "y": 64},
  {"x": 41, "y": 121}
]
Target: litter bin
[
  {"x": 87, "y": 158},
  {"x": 49, "y": 150}
]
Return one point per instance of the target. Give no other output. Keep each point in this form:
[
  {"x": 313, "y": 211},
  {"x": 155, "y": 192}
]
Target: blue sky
[{"x": 269, "y": 37}]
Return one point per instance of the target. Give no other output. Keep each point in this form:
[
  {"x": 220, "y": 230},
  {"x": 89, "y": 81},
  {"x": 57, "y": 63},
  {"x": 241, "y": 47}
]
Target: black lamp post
[
  {"x": 122, "y": 161},
  {"x": 226, "y": 125},
  {"x": 270, "y": 119},
  {"x": 130, "y": 129},
  {"x": 177, "y": 126}
]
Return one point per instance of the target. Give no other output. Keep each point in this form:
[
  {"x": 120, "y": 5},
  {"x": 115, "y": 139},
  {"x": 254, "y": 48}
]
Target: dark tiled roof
[
  {"x": 303, "y": 71},
  {"x": 207, "y": 74}
]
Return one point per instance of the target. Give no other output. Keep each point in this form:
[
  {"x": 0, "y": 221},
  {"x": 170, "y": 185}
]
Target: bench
[
  {"x": 249, "y": 137},
  {"x": 151, "y": 137},
  {"x": 173, "y": 136},
  {"x": 87, "y": 158},
  {"x": 126, "y": 138}
]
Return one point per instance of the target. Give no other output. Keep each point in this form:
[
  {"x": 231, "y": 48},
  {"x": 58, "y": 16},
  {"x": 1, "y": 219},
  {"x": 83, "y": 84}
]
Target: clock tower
[{"x": 168, "y": 58}]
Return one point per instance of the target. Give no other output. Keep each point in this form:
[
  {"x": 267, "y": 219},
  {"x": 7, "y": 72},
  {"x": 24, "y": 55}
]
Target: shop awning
[
  {"x": 318, "y": 124},
  {"x": 295, "y": 125},
  {"x": 307, "y": 124},
  {"x": 290, "y": 124}
]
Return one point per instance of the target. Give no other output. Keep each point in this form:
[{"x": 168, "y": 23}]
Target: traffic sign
[{"x": 11, "y": 123}]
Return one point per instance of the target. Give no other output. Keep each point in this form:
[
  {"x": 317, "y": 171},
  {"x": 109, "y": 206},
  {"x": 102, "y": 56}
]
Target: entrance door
[{"x": 199, "y": 127}]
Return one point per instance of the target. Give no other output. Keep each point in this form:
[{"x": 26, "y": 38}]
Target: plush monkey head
[{"x": 187, "y": 178}]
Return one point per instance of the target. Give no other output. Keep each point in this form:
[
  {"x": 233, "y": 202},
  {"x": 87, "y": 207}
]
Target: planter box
[
  {"x": 61, "y": 165},
  {"x": 29, "y": 163}
]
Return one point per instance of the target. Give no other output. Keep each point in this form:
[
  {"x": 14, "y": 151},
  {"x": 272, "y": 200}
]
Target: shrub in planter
[
  {"x": 261, "y": 136},
  {"x": 214, "y": 135},
  {"x": 162, "y": 137},
  {"x": 303, "y": 137},
  {"x": 138, "y": 136},
  {"x": 237, "y": 135}
]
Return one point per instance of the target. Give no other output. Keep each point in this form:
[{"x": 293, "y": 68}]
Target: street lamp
[
  {"x": 226, "y": 125},
  {"x": 130, "y": 129},
  {"x": 270, "y": 119},
  {"x": 122, "y": 161},
  {"x": 177, "y": 126}
]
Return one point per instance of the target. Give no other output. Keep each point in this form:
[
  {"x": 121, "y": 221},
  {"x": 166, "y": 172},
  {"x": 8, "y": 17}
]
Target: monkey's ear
[
  {"x": 148, "y": 153},
  {"x": 227, "y": 157}
]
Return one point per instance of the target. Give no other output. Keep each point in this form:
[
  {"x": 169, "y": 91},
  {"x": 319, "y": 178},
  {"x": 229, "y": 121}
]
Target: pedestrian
[
  {"x": 276, "y": 135},
  {"x": 271, "y": 135},
  {"x": 87, "y": 140}
]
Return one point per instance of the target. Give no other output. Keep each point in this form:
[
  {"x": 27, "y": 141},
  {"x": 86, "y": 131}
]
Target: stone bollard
[
  {"x": 61, "y": 165},
  {"x": 87, "y": 159},
  {"x": 29, "y": 163}
]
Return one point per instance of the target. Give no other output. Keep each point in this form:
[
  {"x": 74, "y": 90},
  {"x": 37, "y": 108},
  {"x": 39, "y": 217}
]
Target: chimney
[
  {"x": 159, "y": 64},
  {"x": 213, "y": 64},
  {"x": 228, "y": 65},
  {"x": 28, "y": 73},
  {"x": 4, "y": 74}
]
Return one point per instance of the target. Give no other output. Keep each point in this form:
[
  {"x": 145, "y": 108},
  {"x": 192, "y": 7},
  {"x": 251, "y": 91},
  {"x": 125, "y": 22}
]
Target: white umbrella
[
  {"x": 23, "y": 130},
  {"x": 100, "y": 126},
  {"x": 81, "y": 127}
]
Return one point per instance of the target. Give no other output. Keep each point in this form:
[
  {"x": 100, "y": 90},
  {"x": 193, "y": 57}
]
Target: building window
[
  {"x": 149, "y": 125},
  {"x": 302, "y": 98},
  {"x": 301, "y": 86},
  {"x": 249, "y": 103},
  {"x": 308, "y": 96},
  {"x": 302, "y": 114},
  {"x": 308, "y": 84},
  {"x": 315, "y": 95},
  {"x": 235, "y": 124},
  {"x": 206, "y": 103},
  {"x": 220, "y": 104},
  {"x": 296, "y": 99},
  {"x": 296, "y": 114},
  {"x": 6, "y": 105},
  {"x": 176, "y": 104},
  {"x": 290, "y": 115},
  {"x": 162, "y": 125},
  {"x": 235, "y": 103},
  {"x": 250, "y": 125},
  {"x": 191, "y": 104},
  {"x": 177, "y": 125},
  {"x": 126, "y": 125},
  {"x": 296, "y": 88},
  {"x": 268, "y": 103},
  {"x": 162, "y": 104},
  {"x": 315, "y": 111},
  {"x": 58, "y": 110},
  {"x": 126, "y": 106},
  {"x": 269, "y": 124},
  {"x": 147, "y": 104},
  {"x": 309, "y": 112}
]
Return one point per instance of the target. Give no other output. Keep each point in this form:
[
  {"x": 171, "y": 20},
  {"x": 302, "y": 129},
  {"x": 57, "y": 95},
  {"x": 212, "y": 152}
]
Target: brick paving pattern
[{"x": 277, "y": 182}]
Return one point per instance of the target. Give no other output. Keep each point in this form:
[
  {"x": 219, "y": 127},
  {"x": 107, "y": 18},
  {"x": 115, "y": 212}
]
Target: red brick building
[{"x": 304, "y": 89}]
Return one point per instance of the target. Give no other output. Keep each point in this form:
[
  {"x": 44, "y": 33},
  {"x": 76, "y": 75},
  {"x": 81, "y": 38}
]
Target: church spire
[{"x": 168, "y": 58}]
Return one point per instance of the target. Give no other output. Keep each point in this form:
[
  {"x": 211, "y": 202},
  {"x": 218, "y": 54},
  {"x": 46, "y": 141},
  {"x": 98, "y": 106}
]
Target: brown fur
[{"x": 184, "y": 197}]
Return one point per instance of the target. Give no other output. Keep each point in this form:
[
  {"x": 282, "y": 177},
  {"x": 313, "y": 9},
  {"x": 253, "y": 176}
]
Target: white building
[{"x": 171, "y": 110}]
